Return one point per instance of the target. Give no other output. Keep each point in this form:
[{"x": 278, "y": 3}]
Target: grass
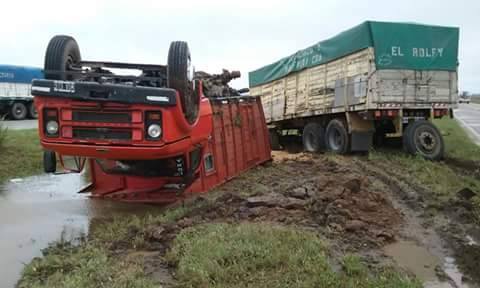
[
  {"x": 260, "y": 255},
  {"x": 66, "y": 266},
  {"x": 458, "y": 144},
  {"x": 441, "y": 179},
  {"x": 20, "y": 154},
  {"x": 207, "y": 255}
]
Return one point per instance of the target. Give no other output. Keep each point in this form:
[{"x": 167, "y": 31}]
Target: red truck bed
[{"x": 238, "y": 141}]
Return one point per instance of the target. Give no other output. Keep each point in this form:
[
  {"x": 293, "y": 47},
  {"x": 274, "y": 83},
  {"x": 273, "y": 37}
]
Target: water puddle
[
  {"x": 426, "y": 267},
  {"x": 38, "y": 210}
]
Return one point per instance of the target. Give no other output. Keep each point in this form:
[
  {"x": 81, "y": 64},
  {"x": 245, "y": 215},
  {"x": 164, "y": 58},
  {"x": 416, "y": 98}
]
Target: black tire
[
  {"x": 179, "y": 78},
  {"x": 32, "y": 112},
  {"x": 18, "y": 111},
  {"x": 274, "y": 139},
  {"x": 49, "y": 161},
  {"x": 406, "y": 147},
  {"x": 62, "y": 51},
  {"x": 337, "y": 138},
  {"x": 313, "y": 137},
  {"x": 424, "y": 139}
]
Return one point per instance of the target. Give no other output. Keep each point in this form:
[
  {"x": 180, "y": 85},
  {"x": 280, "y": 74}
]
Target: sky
[{"x": 236, "y": 35}]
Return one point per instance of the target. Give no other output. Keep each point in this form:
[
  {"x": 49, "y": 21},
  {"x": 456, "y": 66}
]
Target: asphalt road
[
  {"x": 469, "y": 116},
  {"x": 19, "y": 125}
]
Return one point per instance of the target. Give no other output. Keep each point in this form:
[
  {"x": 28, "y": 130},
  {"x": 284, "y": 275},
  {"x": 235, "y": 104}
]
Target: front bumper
[{"x": 120, "y": 152}]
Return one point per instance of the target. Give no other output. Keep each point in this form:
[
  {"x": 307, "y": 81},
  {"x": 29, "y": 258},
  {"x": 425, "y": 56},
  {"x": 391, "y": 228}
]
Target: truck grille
[
  {"x": 101, "y": 134},
  {"x": 94, "y": 116}
]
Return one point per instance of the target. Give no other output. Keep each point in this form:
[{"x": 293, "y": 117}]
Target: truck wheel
[
  {"x": 18, "y": 111},
  {"x": 32, "y": 111},
  {"x": 180, "y": 76},
  {"x": 49, "y": 161},
  {"x": 274, "y": 139},
  {"x": 62, "y": 53},
  {"x": 423, "y": 138},
  {"x": 337, "y": 138},
  {"x": 313, "y": 137}
]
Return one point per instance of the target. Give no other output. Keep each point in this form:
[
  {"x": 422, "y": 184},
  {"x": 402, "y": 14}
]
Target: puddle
[
  {"x": 424, "y": 265},
  {"x": 38, "y": 210}
]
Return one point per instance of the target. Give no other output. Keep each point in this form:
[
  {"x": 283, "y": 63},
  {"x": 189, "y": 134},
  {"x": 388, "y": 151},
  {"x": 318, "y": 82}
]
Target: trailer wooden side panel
[
  {"x": 313, "y": 89},
  {"x": 352, "y": 83}
]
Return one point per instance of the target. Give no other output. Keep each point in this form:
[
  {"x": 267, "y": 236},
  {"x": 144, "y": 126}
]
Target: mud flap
[
  {"x": 361, "y": 141},
  {"x": 361, "y": 132}
]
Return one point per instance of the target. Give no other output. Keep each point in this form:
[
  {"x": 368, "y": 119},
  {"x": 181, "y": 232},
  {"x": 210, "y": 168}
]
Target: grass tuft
[{"x": 262, "y": 255}]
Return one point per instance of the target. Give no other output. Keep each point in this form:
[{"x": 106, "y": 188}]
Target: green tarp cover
[{"x": 396, "y": 45}]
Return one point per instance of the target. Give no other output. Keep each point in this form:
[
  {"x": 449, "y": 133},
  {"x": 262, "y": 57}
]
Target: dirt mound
[{"x": 302, "y": 190}]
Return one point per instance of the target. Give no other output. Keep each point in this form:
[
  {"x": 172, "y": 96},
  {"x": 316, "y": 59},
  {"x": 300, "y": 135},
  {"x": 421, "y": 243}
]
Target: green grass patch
[
  {"x": 458, "y": 144},
  {"x": 262, "y": 255},
  {"x": 66, "y": 266},
  {"x": 20, "y": 154},
  {"x": 437, "y": 177}
]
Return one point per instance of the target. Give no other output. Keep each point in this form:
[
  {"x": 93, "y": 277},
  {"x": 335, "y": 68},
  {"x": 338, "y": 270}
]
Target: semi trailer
[
  {"x": 154, "y": 137},
  {"x": 16, "y": 101},
  {"x": 373, "y": 81}
]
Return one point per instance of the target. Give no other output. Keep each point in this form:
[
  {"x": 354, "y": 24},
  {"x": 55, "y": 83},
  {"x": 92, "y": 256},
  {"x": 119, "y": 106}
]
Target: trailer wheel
[
  {"x": 313, "y": 137},
  {"x": 274, "y": 139},
  {"x": 49, "y": 161},
  {"x": 32, "y": 111},
  {"x": 180, "y": 76},
  {"x": 423, "y": 138},
  {"x": 337, "y": 138},
  {"x": 62, "y": 53},
  {"x": 18, "y": 111}
]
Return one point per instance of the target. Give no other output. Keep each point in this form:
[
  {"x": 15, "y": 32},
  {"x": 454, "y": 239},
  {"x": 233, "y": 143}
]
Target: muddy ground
[{"x": 359, "y": 206}]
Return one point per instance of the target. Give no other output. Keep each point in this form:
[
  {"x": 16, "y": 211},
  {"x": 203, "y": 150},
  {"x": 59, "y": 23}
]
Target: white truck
[
  {"x": 16, "y": 102},
  {"x": 376, "y": 80}
]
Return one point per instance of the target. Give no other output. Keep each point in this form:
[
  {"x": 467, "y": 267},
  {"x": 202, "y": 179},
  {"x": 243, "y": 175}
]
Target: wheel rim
[
  {"x": 68, "y": 64},
  {"x": 426, "y": 142},
  {"x": 18, "y": 111},
  {"x": 335, "y": 140},
  {"x": 189, "y": 69}
]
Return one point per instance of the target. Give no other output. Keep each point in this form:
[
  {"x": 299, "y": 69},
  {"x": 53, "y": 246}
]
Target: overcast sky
[{"x": 237, "y": 35}]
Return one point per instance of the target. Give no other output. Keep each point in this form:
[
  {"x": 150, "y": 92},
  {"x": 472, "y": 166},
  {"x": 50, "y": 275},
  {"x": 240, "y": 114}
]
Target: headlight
[
  {"x": 52, "y": 127},
  {"x": 154, "y": 131}
]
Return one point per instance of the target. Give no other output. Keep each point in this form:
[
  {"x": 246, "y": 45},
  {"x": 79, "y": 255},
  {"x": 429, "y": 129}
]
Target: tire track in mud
[{"x": 433, "y": 226}]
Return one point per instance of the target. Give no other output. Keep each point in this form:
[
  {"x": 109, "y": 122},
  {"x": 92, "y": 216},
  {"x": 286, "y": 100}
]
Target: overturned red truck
[{"x": 153, "y": 137}]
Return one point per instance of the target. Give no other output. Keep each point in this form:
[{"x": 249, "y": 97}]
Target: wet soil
[
  {"x": 448, "y": 231},
  {"x": 357, "y": 208}
]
